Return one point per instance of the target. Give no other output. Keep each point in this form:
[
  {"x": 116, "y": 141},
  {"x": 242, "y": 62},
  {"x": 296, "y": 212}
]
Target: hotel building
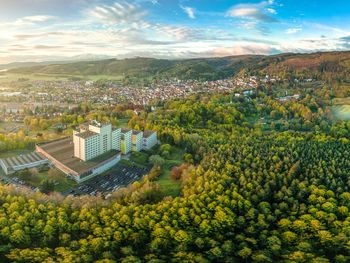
[
  {"x": 95, "y": 148},
  {"x": 137, "y": 137},
  {"x": 126, "y": 142},
  {"x": 95, "y": 140}
]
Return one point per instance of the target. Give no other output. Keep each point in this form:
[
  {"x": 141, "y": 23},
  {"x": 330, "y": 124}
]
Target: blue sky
[{"x": 37, "y": 30}]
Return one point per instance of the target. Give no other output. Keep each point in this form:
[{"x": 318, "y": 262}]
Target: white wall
[{"x": 101, "y": 169}]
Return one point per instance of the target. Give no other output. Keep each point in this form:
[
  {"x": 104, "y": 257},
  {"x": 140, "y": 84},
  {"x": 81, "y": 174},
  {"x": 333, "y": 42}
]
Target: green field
[
  {"x": 9, "y": 77},
  {"x": 169, "y": 186},
  {"x": 140, "y": 158},
  {"x": 341, "y": 112}
]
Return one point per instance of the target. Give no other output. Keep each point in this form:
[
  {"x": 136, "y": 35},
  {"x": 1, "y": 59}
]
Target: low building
[
  {"x": 61, "y": 154},
  {"x": 21, "y": 162},
  {"x": 149, "y": 139},
  {"x": 126, "y": 142},
  {"x": 137, "y": 141}
]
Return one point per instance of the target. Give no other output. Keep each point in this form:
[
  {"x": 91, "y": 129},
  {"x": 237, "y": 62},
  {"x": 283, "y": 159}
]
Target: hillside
[
  {"x": 212, "y": 68},
  {"x": 329, "y": 66}
]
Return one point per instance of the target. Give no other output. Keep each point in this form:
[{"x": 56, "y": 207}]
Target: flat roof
[
  {"x": 136, "y": 132},
  {"x": 23, "y": 159},
  {"x": 63, "y": 152},
  {"x": 124, "y": 130},
  {"x": 99, "y": 124},
  {"x": 148, "y": 133},
  {"x": 86, "y": 134}
]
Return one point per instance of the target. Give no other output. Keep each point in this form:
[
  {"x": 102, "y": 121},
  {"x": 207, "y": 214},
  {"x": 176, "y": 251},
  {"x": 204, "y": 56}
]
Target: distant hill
[
  {"x": 207, "y": 68},
  {"x": 321, "y": 65}
]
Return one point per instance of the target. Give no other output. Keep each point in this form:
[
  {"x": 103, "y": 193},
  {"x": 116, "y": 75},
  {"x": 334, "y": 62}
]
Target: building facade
[
  {"x": 126, "y": 142},
  {"x": 149, "y": 139},
  {"x": 94, "y": 140},
  {"x": 76, "y": 157},
  {"x": 136, "y": 139}
]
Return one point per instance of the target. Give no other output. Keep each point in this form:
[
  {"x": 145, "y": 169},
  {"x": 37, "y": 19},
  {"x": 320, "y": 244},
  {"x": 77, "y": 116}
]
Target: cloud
[
  {"x": 39, "y": 35},
  {"x": 344, "y": 42},
  {"x": 243, "y": 49},
  {"x": 117, "y": 13},
  {"x": 31, "y": 20},
  {"x": 189, "y": 11},
  {"x": 272, "y": 11},
  {"x": 293, "y": 30},
  {"x": 259, "y": 12}
]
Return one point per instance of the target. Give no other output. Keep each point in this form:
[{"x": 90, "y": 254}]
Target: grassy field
[
  {"x": 9, "y": 77},
  {"x": 341, "y": 110},
  {"x": 140, "y": 158},
  {"x": 169, "y": 186}
]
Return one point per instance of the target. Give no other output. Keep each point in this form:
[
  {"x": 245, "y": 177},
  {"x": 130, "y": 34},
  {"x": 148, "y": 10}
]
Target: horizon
[
  {"x": 84, "y": 57},
  {"x": 62, "y": 30}
]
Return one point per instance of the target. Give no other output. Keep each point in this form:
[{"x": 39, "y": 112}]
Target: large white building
[
  {"x": 95, "y": 148},
  {"x": 137, "y": 137},
  {"x": 149, "y": 139},
  {"x": 126, "y": 141},
  {"x": 95, "y": 139}
]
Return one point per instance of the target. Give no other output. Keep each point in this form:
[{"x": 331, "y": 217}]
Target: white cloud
[
  {"x": 249, "y": 24},
  {"x": 293, "y": 30},
  {"x": 118, "y": 13},
  {"x": 259, "y": 12},
  {"x": 189, "y": 11},
  {"x": 272, "y": 11},
  {"x": 30, "y": 20}
]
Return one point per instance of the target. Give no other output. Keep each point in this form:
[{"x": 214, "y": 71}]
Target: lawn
[
  {"x": 342, "y": 112},
  {"x": 140, "y": 158},
  {"x": 169, "y": 186}
]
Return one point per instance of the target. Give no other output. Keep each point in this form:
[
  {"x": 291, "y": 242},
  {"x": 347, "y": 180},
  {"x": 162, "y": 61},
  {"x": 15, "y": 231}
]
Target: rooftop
[
  {"x": 23, "y": 159},
  {"x": 86, "y": 134},
  {"x": 124, "y": 130},
  {"x": 99, "y": 124},
  {"x": 134, "y": 132},
  {"x": 148, "y": 133},
  {"x": 63, "y": 151}
]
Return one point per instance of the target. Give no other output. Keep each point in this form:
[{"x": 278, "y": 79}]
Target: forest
[
  {"x": 326, "y": 66},
  {"x": 250, "y": 192}
]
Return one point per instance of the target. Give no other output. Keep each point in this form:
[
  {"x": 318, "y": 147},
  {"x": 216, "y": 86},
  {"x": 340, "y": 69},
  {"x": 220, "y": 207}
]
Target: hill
[
  {"x": 329, "y": 66},
  {"x": 206, "y": 69}
]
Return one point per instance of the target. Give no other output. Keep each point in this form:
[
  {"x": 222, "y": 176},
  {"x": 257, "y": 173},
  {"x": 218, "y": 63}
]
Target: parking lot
[
  {"x": 17, "y": 182},
  {"x": 119, "y": 176}
]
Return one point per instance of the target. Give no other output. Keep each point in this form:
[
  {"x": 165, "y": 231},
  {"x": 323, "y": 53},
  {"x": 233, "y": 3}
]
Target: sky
[{"x": 43, "y": 30}]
